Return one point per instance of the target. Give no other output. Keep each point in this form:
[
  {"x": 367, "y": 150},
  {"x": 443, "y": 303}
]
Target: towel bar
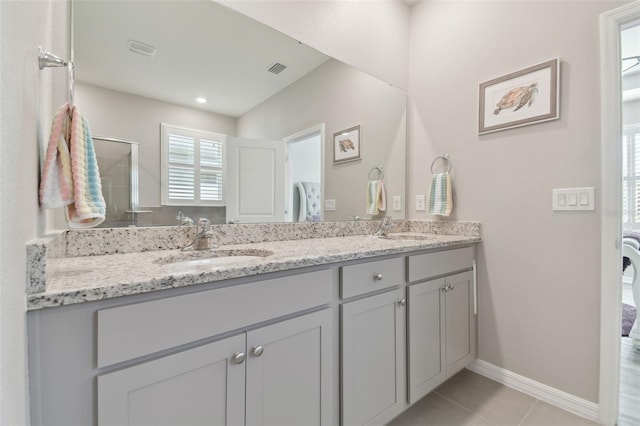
[
  {"x": 446, "y": 159},
  {"x": 46, "y": 60},
  {"x": 378, "y": 170}
]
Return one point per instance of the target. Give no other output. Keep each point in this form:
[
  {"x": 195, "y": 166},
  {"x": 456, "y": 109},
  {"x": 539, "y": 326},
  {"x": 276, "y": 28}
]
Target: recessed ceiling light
[{"x": 201, "y": 100}]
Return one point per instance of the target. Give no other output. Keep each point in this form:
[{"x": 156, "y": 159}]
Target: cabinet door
[
  {"x": 460, "y": 322},
  {"x": 200, "y": 386},
  {"x": 373, "y": 357},
  {"x": 426, "y": 337},
  {"x": 289, "y": 372}
]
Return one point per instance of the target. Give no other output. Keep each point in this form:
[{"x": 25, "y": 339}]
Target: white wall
[
  {"x": 25, "y": 115},
  {"x": 121, "y": 115},
  {"x": 370, "y": 35},
  {"x": 539, "y": 297},
  {"x": 305, "y": 156}
]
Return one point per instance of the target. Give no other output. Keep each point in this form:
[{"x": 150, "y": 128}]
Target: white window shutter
[
  {"x": 193, "y": 164},
  {"x": 211, "y": 178}
]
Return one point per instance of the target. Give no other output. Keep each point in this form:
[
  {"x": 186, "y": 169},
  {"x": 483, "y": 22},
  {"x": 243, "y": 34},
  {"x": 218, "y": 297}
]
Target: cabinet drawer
[
  {"x": 423, "y": 266},
  {"x": 371, "y": 276},
  {"x": 131, "y": 331}
]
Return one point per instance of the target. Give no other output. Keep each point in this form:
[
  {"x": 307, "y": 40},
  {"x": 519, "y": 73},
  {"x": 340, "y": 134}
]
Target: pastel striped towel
[
  {"x": 376, "y": 197},
  {"x": 70, "y": 176},
  {"x": 440, "y": 199}
]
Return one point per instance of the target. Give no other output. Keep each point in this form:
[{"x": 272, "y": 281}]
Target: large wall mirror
[{"x": 262, "y": 144}]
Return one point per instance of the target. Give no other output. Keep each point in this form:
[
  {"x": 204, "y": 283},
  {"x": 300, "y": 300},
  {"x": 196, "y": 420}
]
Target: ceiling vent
[
  {"x": 277, "y": 68},
  {"x": 141, "y": 48}
]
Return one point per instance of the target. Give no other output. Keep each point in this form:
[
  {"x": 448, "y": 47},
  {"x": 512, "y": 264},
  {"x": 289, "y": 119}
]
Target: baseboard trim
[{"x": 578, "y": 406}]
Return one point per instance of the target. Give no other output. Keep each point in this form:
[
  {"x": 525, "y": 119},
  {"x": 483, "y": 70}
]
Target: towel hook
[
  {"x": 47, "y": 59},
  {"x": 445, "y": 158},
  {"x": 379, "y": 172}
]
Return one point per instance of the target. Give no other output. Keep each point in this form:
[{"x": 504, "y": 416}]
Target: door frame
[
  {"x": 318, "y": 128},
  {"x": 611, "y": 23}
]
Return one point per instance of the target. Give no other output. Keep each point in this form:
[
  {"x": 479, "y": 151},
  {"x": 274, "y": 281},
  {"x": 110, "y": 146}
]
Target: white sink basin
[
  {"x": 406, "y": 236},
  {"x": 214, "y": 257}
]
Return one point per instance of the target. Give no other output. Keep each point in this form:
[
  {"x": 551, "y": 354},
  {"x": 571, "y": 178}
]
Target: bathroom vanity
[{"x": 344, "y": 330}]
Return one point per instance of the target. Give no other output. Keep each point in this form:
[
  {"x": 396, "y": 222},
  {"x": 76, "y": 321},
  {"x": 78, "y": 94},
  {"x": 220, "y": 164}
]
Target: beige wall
[
  {"x": 341, "y": 96},
  {"x": 121, "y": 115},
  {"x": 371, "y": 35},
  {"x": 539, "y": 297},
  {"x": 25, "y": 114}
]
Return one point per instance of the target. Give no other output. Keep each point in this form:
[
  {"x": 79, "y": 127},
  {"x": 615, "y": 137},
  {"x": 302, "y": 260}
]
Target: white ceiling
[{"x": 203, "y": 50}]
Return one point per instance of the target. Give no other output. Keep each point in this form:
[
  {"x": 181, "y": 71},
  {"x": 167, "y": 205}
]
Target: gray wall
[
  {"x": 121, "y": 115},
  {"x": 28, "y": 96},
  {"x": 342, "y": 97},
  {"x": 539, "y": 273}
]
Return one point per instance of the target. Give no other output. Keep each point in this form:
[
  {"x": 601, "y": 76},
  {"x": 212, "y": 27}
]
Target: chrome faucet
[
  {"x": 385, "y": 225},
  {"x": 183, "y": 220},
  {"x": 204, "y": 237}
]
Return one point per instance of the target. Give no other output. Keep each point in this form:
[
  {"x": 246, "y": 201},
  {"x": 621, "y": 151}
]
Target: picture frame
[
  {"x": 347, "y": 145},
  {"x": 528, "y": 96}
]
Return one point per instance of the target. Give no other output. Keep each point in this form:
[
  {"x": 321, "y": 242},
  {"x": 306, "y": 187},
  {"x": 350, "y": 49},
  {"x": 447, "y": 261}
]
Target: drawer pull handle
[
  {"x": 257, "y": 350},
  {"x": 377, "y": 277},
  {"x": 402, "y": 302},
  {"x": 238, "y": 358}
]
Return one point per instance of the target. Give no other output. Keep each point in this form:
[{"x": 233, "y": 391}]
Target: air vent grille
[
  {"x": 141, "y": 48},
  {"x": 277, "y": 68}
]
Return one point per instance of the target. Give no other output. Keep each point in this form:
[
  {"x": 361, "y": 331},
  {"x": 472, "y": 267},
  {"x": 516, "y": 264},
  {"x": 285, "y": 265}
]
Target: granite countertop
[{"x": 99, "y": 277}]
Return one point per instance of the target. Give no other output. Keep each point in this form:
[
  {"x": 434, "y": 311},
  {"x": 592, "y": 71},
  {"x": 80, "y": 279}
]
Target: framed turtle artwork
[
  {"x": 346, "y": 145},
  {"x": 524, "y": 97}
]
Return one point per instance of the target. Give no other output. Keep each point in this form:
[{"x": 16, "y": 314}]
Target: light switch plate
[
  {"x": 581, "y": 199},
  {"x": 329, "y": 205},
  {"x": 397, "y": 203},
  {"x": 420, "y": 203}
]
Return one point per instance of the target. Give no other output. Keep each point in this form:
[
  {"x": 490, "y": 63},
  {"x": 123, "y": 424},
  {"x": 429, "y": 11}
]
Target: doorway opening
[
  {"x": 612, "y": 23},
  {"x": 305, "y": 175},
  {"x": 629, "y": 391}
]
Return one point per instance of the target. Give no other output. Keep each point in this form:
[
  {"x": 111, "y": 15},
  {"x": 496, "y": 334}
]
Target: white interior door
[{"x": 256, "y": 182}]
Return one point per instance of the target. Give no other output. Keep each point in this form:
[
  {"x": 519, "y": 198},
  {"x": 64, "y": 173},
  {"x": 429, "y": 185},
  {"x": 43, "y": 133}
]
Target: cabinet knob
[
  {"x": 402, "y": 302},
  {"x": 238, "y": 358},
  {"x": 377, "y": 277},
  {"x": 257, "y": 350}
]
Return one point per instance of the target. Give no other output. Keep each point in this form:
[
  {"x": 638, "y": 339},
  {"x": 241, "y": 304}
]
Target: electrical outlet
[
  {"x": 420, "y": 203},
  {"x": 329, "y": 205},
  {"x": 397, "y": 203}
]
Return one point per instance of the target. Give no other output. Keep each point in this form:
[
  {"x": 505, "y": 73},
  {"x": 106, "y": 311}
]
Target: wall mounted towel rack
[
  {"x": 446, "y": 160},
  {"x": 47, "y": 60},
  {"x": 379, "y": 174}
]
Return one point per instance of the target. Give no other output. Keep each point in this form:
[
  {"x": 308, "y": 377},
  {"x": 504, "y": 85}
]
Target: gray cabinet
[
  {"x": 283, "y": 349},
  {"x": 289, "y": 372},
  {"x": 373, "y": 353},
  {"x": 441, "y": 335},
  {"x": 283, "y": 369},
  {"x": 195, "y": 387}
]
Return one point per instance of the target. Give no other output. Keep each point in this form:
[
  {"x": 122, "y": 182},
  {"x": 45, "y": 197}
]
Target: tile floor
[
  {"x": 469, "y": 399},
  {"x": 629, "y": 413}
]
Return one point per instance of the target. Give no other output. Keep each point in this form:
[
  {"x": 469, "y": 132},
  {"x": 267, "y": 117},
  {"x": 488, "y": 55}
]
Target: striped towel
[
  {"x": 440, "y": 200},
  {"x": 376, "y": 197},
  {"x": 70, "y": 176}
]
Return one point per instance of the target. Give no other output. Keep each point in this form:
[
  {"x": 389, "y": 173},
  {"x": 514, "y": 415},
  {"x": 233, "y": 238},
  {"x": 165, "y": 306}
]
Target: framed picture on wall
[
  {"x": 346, "y": 145},
  {"x": 524, "y": 97}
]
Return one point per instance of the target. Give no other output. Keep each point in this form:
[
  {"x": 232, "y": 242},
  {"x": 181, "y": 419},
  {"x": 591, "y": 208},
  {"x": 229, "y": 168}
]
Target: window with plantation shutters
[
  {"x": 631, "y": 178},
  {"x": 193, "y": 164}
]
